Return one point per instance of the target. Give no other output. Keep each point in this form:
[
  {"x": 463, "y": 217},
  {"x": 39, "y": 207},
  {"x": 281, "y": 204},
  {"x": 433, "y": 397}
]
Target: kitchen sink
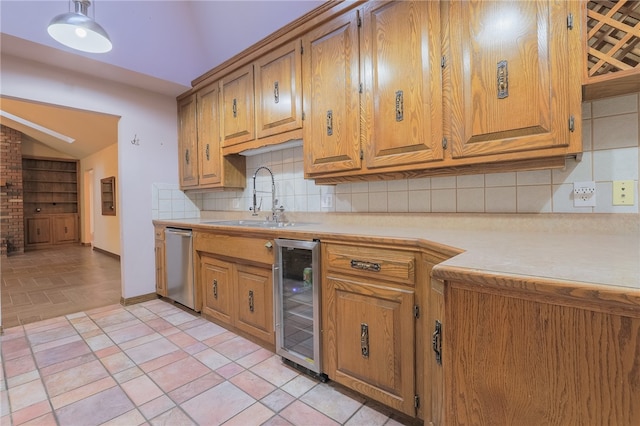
[{"x": 254, "y": 223}]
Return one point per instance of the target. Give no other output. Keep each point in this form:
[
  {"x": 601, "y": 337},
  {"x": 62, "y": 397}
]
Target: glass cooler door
[{"x": 297, "y": 302}]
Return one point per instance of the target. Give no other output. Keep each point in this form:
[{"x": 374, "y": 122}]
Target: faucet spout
[{"x": 255, "y": 209}]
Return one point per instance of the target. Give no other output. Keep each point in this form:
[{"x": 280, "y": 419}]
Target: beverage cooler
[{"x": 297, "y": 315}]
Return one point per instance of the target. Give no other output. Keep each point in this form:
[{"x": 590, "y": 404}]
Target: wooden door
[
  {"x": 188, "y": 142},
  {"x": 254, "y": 302},
  {"x": 512, "y": 86},
  {"x": 279, "y": 90},
  {"x": 402, "y": 83},
  {"x": 373, "y": 332},
  {"x": 209, "y": 154},
  {"x": 161, "y": 280},
  {"x": 238, "y": 108},
  {"x": 332, "y": 100},
  {"x": 216, "y": 284},
  {"x": 65, "y": 228},
  {"x": 38, "y": 230}
]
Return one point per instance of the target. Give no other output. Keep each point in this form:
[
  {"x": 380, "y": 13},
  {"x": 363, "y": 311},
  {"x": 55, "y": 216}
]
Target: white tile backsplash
[
  {"x": 611, "y": 151},
  {"x": 618, "y": 131}
]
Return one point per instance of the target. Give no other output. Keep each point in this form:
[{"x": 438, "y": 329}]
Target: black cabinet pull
[
  {"x": 215, "y": 289},
  {"x": 399, "y": 105},
  {"x": 250, "y": 300},
  {"x": 364, "y": 340},
  {"x": 365, "y": 266},
  {"x": 437, "y": 342}
]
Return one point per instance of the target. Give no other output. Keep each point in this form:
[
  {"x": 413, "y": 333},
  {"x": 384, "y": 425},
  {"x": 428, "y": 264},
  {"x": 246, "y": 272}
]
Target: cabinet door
[
  {"x": 161, "y": 280},
  {"x": 216, "y": 277},
  {"x": 279, "y": 90},
  {"x": 332, "y": 100},
  {"x": 372, "y": 341},
  {"x": 188, "y": 142},
  {"x": 511, "y": 85},
  {"x": 402, "y": 83},
  {"x": 254, "y": 302},
  {"x": 238, "y": 109},
  {"x": 38, "y": 230},
  {"x": 65, "y": 228},
  {"x": 209, "y": 154}
]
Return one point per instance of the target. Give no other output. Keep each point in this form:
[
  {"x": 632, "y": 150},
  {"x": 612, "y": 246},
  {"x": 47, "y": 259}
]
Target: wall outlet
[
  {"x": 584, "y": 194},
  {"x": 326, "y": 202},
  {"x": 623, "y": 193}
]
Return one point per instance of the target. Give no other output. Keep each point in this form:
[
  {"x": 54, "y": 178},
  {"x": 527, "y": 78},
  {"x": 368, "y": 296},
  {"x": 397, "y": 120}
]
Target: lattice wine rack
[{"x": 613, "y": 38}]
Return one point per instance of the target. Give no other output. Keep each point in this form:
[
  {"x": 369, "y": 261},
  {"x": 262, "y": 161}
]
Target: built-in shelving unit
[{"x": 50, "y": 200}]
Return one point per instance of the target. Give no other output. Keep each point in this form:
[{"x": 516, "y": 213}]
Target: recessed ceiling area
[{"x": 91, "y": 131}]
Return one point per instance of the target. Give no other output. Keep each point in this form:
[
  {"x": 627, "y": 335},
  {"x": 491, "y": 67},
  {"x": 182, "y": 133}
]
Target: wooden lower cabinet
[
  {"x": 51, "y": 229},
  {"x": 369, "y": 324},
  {"x": 217, "y": 288},
  {"x": 65, "y": 229},
  {"x": 538, "y": 360},
  {"x": 371, "y": 340},
  {"x": 38, "y": 230},
  {"x": 238, "y": 295},
  {"x": 161, "y": 279},
  {"x": 254, "y": 301}
]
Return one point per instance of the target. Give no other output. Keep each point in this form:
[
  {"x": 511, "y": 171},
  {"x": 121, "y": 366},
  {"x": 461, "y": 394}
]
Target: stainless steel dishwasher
[{"x": 179, "y": 266}]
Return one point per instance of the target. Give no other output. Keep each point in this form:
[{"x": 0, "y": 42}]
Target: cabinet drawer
[
  {"x": 248, "y": 248},
  {"x": 377, "y": 263}
]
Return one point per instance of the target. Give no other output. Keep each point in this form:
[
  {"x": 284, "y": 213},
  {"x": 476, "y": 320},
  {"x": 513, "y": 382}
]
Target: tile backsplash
[{"x": 611, "y": 151}]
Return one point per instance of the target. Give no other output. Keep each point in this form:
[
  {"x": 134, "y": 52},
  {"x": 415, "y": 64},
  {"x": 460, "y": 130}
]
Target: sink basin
[{"x": 254, "y": 223}]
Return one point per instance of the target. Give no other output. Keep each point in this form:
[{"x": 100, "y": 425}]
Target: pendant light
[{"x": 78, "y": 31}]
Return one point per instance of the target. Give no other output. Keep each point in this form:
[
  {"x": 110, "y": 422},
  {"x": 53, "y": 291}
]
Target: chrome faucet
[{"x": 275, "y": 212}]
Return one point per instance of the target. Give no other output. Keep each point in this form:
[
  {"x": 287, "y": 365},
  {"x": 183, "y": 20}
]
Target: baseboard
[
  {"x": 108, "y": 253},
  {"x": 138, "y": 299}
]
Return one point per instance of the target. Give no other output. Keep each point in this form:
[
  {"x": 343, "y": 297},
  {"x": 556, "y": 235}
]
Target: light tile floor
[{"x": 154, "y": 363}]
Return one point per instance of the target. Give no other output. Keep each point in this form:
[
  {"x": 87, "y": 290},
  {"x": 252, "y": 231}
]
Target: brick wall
[{"x": 11, "y": 208}]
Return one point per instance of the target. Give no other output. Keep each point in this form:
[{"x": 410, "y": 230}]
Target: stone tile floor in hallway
[
  {"x": 154, "y": 363},
  {"x": 48, "y": 283}
]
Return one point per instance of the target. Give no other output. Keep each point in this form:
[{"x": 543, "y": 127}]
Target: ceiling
[{"x": 159, "y": 45}]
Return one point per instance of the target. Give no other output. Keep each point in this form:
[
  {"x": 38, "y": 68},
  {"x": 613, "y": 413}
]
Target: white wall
[
  {"x": 148, "y": 116},
  {"x": 106, "y": 228}
]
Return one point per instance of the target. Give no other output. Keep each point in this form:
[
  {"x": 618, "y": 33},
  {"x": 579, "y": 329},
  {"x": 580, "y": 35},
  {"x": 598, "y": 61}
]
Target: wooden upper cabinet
[
  {"x": 238, "y": 107},
  {"x": 402, "y": 83},
  {"x": 208, "y": 127},
  {"x": 279, "y": 90},
  {"x": 331, "y": 66},
  {"x": 188, "y": 142},
  {"x": 514, "y": 86}
]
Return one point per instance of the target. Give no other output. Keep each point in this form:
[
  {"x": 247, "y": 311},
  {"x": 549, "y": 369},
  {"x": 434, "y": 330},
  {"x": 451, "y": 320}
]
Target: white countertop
[{"x": 598, "y": 250}]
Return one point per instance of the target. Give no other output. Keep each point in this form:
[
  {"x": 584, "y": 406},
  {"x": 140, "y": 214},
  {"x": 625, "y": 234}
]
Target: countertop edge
[{"x": 561, "y": 290}]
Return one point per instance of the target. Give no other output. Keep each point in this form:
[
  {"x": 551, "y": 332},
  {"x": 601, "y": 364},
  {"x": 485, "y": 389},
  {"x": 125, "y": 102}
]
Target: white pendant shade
[{"x": 78, "y": 31}]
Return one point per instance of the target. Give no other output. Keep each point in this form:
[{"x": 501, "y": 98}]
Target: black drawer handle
[{"x": 365, "y": 266}]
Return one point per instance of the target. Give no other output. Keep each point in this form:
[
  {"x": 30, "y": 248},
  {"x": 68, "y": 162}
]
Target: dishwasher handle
[{"x": 181, "y": 232}]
